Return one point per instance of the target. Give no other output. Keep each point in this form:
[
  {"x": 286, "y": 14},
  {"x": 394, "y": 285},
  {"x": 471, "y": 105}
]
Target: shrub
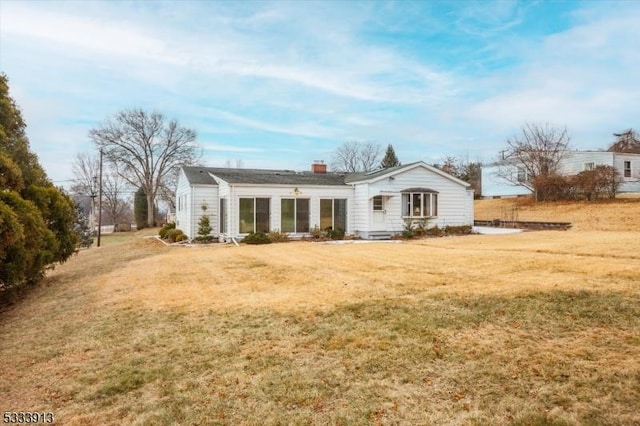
[
  {"x": 554, "y": 187},
  {"x": 256, "y": 238},
  {"x": 204, "y": 227},
  {"x": 166, "y": 228},
  {"x": 26, "y": 246},
  {"x": 603, "y": 181},
  {"x": 457, "y": 230},
  {"x": 205, "y": 240},
  {"x": 436, "y": 231},
  {"x": 176, "y": 235},
  {"x": 336, "y": 234},
  {"x": 317, "y": 233},
  {"x": 278, "y": 237},
  {"x": 420, "y": 228},
  {"x": 408, "y": 231}
]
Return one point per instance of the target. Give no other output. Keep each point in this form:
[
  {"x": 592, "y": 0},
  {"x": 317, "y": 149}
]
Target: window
[
  {"x": 333, "y": 214},
  {"x": 378, "y": 205},
  {"x": 589, "y": 166},
  {"x": 419, "y": 204},
  {"x": 294, "y": 215},
  {"x": 223, "y": 215},
  {"x": 254, "y": 215},
  {"x": 522, "y": 175},
  {"x": 627, "y": 169}
]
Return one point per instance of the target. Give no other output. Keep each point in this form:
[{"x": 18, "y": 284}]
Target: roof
[
  {"x": 202, "y": 175},
  {"x": 356, "y": 177},
  {"x": 391, "y": 171},
  {"x": 428, "y": 190},
  {"x": 198, "y": 176}
]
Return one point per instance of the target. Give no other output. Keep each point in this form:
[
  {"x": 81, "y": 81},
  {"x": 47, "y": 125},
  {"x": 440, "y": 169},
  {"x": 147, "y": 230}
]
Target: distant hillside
[{"x": 607, "y": 215}]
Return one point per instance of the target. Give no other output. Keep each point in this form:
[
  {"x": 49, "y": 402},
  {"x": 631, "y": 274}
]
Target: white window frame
[
  {"x": 626, "y": 171},
  {"x": 407, "y": 204},
  {"x": 333, "y": 212},
  {"x": 378, "y": 206},
  {"x": 589, "y": 166},
  {"x": 222, "y": 216},
  {"x": 522, "y": 175},
  {"x": 255, "y": 213},
  {"x": 295, "y": 214}
]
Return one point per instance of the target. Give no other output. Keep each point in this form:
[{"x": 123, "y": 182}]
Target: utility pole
[{"x": 100, "y": 201}]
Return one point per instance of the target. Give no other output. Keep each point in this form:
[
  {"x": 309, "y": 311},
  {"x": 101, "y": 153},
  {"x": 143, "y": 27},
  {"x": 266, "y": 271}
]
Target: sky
[{"x": 283, "y": 84}]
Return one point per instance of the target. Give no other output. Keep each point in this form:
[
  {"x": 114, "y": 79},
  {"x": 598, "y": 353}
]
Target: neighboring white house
[
  {"x": 500, "y": 179},
  {"x": 369, "y": 205}
]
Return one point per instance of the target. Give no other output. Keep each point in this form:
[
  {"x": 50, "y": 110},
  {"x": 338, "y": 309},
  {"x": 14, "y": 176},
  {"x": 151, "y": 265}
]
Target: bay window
[{"x": 420, "y": 204}]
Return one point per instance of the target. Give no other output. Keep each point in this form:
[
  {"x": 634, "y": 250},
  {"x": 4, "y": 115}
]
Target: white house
[
  {"x": 500, "y": 179},
  {"x": 370, "y": 205}
]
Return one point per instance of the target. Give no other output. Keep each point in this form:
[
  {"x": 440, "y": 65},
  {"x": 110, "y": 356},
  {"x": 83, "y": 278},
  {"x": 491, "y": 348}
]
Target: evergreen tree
[
  {"x": 390, "y": 159},
  {"x": 204, "y": 227},
  {"x": 140, "y": 207},
  {"x": 36, "y": 219}
]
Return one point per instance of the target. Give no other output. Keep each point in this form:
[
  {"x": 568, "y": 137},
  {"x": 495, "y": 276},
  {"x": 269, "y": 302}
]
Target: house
[
  {"x": 501, "y": 179},
  {"x": 370, "y": 205}
]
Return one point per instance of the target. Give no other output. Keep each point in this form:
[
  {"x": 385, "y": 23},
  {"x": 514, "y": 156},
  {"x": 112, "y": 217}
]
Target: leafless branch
[
  {"x": 144, "y": 148},
  {"x": 356, "y": 156}
]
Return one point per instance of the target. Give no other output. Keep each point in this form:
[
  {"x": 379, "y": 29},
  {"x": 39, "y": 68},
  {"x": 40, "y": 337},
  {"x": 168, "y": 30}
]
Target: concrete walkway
[{"x": 488, "y": 230}]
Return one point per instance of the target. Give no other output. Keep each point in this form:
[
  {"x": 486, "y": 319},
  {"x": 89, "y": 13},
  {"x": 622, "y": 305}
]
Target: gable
[
  {"x": 198, "y": 176},
  {"x": 419, "y": 167}
]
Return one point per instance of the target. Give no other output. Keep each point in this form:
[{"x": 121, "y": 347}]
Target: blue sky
[{"x": 281, "y": 84}]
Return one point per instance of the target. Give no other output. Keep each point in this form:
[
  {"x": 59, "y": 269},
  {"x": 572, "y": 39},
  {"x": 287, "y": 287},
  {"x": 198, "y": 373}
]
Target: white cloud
[
  {"x": 254, "y": 78},
  {"x": 208, "y": 146}
]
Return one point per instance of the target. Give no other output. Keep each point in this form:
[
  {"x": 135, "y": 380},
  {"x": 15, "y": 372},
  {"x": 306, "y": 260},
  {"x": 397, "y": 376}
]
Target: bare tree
[
  {"x": 118, "y": 209},
  {"x": 85, "y": 170},
  {"x": 356, "y": 156},
  {"x": 536, "y": 153},
  {"x": 627, "y": 141},
  {"x": 143, "y": 148},
  {"x": 463, "y": 169}
]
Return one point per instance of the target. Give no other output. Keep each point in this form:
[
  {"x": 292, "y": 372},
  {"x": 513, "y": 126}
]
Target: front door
[{"x": 379, "y": 212}]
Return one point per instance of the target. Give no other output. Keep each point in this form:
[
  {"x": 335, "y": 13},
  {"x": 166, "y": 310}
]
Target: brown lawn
[{"x": 531, "y": 329}]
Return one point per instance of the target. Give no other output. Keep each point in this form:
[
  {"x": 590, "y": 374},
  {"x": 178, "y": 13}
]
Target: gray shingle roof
[
  {"x": 198, "y": 176},
  {"x": 355, "y": 177},
  {"x": 201, "y": 175}
]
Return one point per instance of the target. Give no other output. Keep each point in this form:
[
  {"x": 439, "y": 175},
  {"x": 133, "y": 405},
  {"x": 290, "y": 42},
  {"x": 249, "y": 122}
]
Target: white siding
[
  {"x": 361, "y": 210},
  {"x": 204, "y": 195},
  {"x": 469, "y": 211},
  {"x": 494, "y": 185},
  {"x": 573, "y": 163},
  {"x": 276, "y": 193},
  {"x": 189, "y": 201},
  {"x": 632, "y": 183},
  {"x": 183, "y": 204},
  {"x": 455, "y": 202}
]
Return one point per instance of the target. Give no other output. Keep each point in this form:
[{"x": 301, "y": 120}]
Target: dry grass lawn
[
  {"x": 620, "y": 214},
  {"x": 538, "y": 328}
]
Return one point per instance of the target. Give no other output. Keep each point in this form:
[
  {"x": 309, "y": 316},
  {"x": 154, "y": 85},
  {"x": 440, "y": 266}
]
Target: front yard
[{"x": 532, "y": 328}]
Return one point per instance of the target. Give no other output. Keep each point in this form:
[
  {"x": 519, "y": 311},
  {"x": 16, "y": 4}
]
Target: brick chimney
[{"x": 318, "y": 167}]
